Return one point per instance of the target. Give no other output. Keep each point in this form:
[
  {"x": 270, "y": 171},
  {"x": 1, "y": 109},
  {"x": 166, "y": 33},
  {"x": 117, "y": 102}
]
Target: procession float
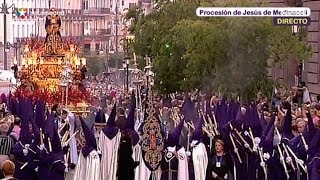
[{"x": 53, "y": 70}]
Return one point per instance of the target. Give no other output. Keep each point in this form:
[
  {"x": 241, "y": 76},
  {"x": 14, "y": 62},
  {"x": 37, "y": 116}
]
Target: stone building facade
[{"x": 310, "y": 67}]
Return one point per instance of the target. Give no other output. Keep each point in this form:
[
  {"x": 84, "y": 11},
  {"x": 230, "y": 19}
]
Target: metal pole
[
  {"x": 117, "y": 60},
  {"x": 117, "y": 48},
  {"x": 5, "y": 55},
  {"x": 107, "y": 58},
  {"x": 67, "y": 94},
  {"x": 127, "y": 78}
]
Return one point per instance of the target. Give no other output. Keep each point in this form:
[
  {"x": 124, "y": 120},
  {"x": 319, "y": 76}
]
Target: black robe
[{"x": 126, "y": 164}]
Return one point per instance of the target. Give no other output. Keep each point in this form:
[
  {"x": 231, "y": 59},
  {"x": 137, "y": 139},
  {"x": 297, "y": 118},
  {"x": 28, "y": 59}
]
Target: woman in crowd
[
  {"x": 220, "y": 164},
  {"x": 8, "y": 169}
]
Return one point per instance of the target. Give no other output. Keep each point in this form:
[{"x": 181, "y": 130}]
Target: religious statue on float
[{"x": 53, "y": 43}]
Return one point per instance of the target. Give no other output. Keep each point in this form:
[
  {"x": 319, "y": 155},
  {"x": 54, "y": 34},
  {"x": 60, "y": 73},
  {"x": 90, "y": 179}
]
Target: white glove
[
  {"x": 171, "y": 149},
  {"x": 257, "y": 140},
  {"x": 266, "y": 156},
  {"x": 25, "y": 152},
  {"x": 41, "y": 147},
  {"x": 27, "y": 146},
  {"x": 306, "y": 147},
  {"x": 262, "y": 164},
  {"x": 246, "y": 145},
  {"x": 235, "y": 150},
  {"x": 66, "y": 169},
  {"x": 96, "y": 135},
  {"x": 300, "y": 161},
  {"x": 65, "y": 144},
  {"x": 255, "y": 148},
  {"x": 188, "y": 153},
  {"x": 36, "y": 169},
  {"x": 193, "y": 143},
  {"x": 288, "y": 160},
  {"x": 281, "y": 159}
]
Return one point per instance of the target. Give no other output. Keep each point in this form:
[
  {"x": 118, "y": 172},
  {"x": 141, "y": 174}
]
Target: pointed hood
[
  {"x": 130, "y": 118},
  {"x": 197, "y": 135},
  {"x": 21, "y": 107},
  {"x": 90, "y": 143},
  {"x": 99, "y": 118},
  {"x": 314, "y": 147},
  {"x": 112, "y": 117},
  {"x": 56, "y": 142},
  {"x": 310, "y": 130},
  {"x": 268, "y": 143},
  {"x": 25, "y": 135},
  {"x": 129, "y": 125},
  {"x": 257, "y": 127},
  {"x": 110, "y": 130},
  {"x": 267, "y": 129},
  {"x": 90, "y": 119},
  {"x": 241, "y": 117},
  {"x": 229, "y": 112},
  {"x": 189, "y": 111},
  {"x": 40, "y": 113},
  {"x": 49, "y": 127},
  {"x": 29, "y": 108},
  {"x": 207, "y": 108},
  {"x": 248, "y": 118},
  {"x": 287, "y": 126},
  {"x": 174, "y": 136},
  {"x": 262, "y": 122}
]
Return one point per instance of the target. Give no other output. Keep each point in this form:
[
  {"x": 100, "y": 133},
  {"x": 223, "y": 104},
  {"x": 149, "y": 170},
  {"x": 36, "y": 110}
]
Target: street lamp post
[
  {"x": 295, "y": 31},
  {"x": 5, "y": 11},
  {"x": 126, "y": 77},
  {"x": 149, "y": 73}
]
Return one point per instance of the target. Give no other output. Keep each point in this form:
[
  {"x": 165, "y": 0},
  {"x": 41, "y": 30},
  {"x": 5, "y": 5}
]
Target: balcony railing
[
  {"x": 145, "y": 1},
  {"x": 96, "y": 11},
  {"x": 42, "y": 12},
  {"x": 99, "y": 32}
]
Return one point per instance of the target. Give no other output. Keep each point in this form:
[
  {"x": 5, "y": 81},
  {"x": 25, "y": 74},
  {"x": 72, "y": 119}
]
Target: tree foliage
[{"x": 231, "y": 54}]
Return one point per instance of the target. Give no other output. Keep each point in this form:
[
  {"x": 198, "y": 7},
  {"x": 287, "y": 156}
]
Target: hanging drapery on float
[{"x": 152, "y": 139}]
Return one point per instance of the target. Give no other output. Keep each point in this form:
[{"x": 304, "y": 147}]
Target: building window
[
  {"x": 86, "y": 4},
  {"x": 23, "y": 31},
  {"x": 122, "y": 2},
  {"x": 13, "y": 30},
  {"x": 132, "y": 5},
  {"x": 28, "y": 31},
  {"x": 33, "y": 30},
  {"x": 18, "y": 31}
]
